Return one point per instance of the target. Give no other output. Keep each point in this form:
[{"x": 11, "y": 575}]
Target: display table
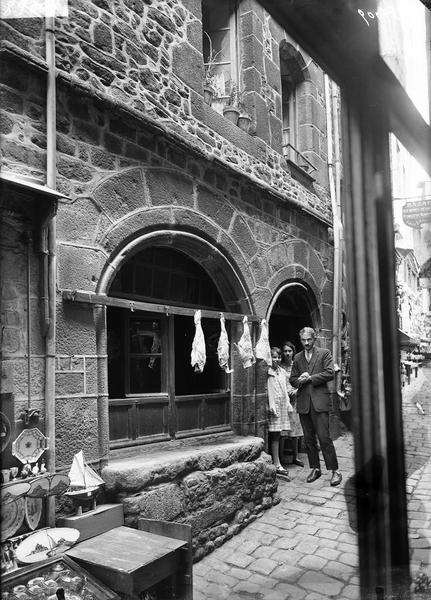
[{"x": 130, "y": 560}]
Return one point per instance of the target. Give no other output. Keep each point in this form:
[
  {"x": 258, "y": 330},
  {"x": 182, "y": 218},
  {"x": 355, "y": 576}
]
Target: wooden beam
[{"x": 85, "y": 297}]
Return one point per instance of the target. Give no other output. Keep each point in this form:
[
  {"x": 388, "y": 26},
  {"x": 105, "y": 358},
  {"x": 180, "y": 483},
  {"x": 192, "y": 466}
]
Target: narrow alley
[{"x": 304, "y": 548}]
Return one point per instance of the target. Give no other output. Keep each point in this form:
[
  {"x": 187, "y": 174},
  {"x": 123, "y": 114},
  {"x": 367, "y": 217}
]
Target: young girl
[
  {"x": 295, "y": 432},
  {"x": 279, "y": 407}
]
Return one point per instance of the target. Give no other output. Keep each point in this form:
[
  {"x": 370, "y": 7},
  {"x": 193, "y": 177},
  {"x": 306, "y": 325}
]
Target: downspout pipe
[
  {"x": 51, "y": 127},
  {"x": 331, "y": 117}
]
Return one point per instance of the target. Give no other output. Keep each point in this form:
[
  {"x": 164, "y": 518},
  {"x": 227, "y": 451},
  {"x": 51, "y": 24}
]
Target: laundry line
[{"x": 87, "y": 297}]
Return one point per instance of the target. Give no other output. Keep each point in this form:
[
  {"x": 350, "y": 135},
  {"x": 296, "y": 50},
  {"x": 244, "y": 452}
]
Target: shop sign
[{"x": 416, "y": 213}]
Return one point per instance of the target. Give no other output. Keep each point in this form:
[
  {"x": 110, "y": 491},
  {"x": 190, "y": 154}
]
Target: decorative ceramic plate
[
  {"x": 13, "y": 490},
  {"x": 48, "y": 485},
  {"x": 29, "y": 445},
  {"x": 46, "y": 543},
  {"x": 33, "y": 511},
  {"x": 12, "y": 517}
]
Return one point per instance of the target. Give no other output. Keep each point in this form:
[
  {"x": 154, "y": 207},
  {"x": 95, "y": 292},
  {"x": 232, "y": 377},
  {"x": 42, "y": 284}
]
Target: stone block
[
  {"x": 19, "y": 377},
  {"x": 162, "y": 503},
  {"x": 79, "y": 268},
  {"x": 91, "y": 373},
  {"x": 121, "y": 193},
  {"x": 74, "y": 169},
  {"x": 276, "y": 133},
  {"x": 262, "y": 119},
  {"x": 78, "y": 221},
  {"x": 169, "y": 187},
  {"x": 272, "y": 74},
  {"x": 316, "y": 269},
  {"x": 243, "y": 236},
  {"x": 75, "y": 329},
  {"x": 193, "y": 6},
  {"x": 214, "y": 207},
  {"x": 193, "y": 220},
  {"x": 137, "y": 222},
  {"x": 76, "y": 429},
  {"x": 252, "y": 53},
  {"x": 68, "y": 383}
]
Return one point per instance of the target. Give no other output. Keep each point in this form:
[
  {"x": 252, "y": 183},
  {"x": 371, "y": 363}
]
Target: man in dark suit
[{"x": 311, "y": 370}]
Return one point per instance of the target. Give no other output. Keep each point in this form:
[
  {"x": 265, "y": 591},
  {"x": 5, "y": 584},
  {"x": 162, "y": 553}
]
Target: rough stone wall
[
  {"x": 146, "y": 57},
  {"x": 138, "y": 151},
  {"x": 217, "y": 489}
]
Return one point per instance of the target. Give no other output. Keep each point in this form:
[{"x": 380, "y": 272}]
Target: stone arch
[
  {"x": 292, "y": 65},
  {"x": 310, "y": 298},
  {"x": 224, "y": 271},
  {"x": 301, "y": 261}
]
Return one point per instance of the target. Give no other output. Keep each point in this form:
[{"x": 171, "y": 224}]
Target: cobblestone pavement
[{"x": 304, "y": 548}]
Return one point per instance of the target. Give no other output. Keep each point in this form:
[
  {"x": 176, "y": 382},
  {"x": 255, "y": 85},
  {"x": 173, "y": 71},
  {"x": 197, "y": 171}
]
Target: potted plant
[
  {"x": 209, "y": 80},
  {"x": 231, "y": 111},
  {"x": 244, "y": 117}
]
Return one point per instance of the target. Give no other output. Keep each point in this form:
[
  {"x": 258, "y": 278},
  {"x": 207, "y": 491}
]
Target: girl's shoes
[{"x": 284, "y": 473}]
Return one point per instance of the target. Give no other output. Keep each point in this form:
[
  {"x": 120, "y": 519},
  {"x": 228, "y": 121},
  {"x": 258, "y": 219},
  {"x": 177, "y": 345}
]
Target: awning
[
  {"x": 407, "y": 340},
  {"x": 29, "y": 185}
]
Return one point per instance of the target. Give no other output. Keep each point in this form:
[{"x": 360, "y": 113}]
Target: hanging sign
[{"x": 416, "y": 213}]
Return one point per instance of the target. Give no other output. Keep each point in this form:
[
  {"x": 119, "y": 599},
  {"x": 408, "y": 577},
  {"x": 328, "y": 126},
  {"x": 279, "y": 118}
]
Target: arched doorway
[
  {"x": 292, "y": 308},
  {"x": 154, "y": 393}
]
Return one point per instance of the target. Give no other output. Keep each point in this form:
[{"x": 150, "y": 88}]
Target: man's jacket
[{"x": 315, "y": 391}]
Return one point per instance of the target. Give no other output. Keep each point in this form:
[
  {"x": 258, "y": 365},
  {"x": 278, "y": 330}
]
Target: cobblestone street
[{"x": 304, "y": 548}]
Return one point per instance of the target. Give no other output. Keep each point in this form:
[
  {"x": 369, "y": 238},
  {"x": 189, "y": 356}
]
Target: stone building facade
[{"x": 166, "y": 206}]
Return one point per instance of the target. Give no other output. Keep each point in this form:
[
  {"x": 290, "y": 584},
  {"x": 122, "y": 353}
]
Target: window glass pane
[
  {"x": 145, "y": 356},
  {"x": 145, "y": 375},
  {"x": 144, "y": 336}
]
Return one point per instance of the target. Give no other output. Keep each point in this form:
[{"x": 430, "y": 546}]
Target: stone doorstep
[{"x": 133, "y": 470}]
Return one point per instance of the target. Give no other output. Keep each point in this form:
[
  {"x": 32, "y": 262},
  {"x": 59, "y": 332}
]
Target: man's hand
[
  {"x": 304, "y": 378},
  {"x": 272, "y": 412}
]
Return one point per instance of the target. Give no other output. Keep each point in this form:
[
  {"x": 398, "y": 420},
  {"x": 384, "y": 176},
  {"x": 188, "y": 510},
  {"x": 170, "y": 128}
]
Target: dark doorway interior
[{"x": 291, "y": 312}]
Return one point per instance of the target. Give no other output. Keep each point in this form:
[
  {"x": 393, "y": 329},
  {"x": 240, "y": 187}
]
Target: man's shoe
[
  {"x": 297, "y": 462},
  {"x": 315, "y": 474},
  {"x": 336, "y": 478}
]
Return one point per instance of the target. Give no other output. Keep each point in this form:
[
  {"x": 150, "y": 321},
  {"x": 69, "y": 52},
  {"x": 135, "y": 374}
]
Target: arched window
[{"x": 154, "y": 393}]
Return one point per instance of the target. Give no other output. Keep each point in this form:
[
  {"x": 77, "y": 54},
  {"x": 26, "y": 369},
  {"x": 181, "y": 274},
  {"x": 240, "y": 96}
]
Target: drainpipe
[
  {"x": 50, "y": 258},
  {"x": 333, "y": 175}
]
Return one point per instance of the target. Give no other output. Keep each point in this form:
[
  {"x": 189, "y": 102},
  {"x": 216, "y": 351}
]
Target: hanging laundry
[
  {"x": 223, "y": 347},
  {"x": 244, "y": 346},
  {"x": 263, "y": 349},
  {"x": 198, "y": 355}
]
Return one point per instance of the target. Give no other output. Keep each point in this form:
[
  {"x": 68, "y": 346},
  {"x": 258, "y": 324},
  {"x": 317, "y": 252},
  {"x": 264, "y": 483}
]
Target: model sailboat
[{"x": 84, "y": 481}]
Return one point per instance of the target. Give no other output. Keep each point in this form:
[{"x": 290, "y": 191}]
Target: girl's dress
[
  {"x": 295, "y": 422},
  {"x": 278, "y": 397}
]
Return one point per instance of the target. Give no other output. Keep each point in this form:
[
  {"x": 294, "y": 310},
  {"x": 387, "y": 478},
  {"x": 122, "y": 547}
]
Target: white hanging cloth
[
  {"x": 223, "y": 347},
  {"x": 198, "y": 355},
  {"x": 244, "y": 346},
  {"x": 263, "y": 349}
]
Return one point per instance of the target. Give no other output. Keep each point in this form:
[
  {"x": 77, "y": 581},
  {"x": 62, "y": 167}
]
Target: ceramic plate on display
[
  {"x": 48, "y": 485},
  {"x": 46, "y": 543},
  {"x": 13, "y": 490},
  {"x": 29, "y": 445},
  {"x": 12, "y": 517},
  {"x": 33, "y": 511}
]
